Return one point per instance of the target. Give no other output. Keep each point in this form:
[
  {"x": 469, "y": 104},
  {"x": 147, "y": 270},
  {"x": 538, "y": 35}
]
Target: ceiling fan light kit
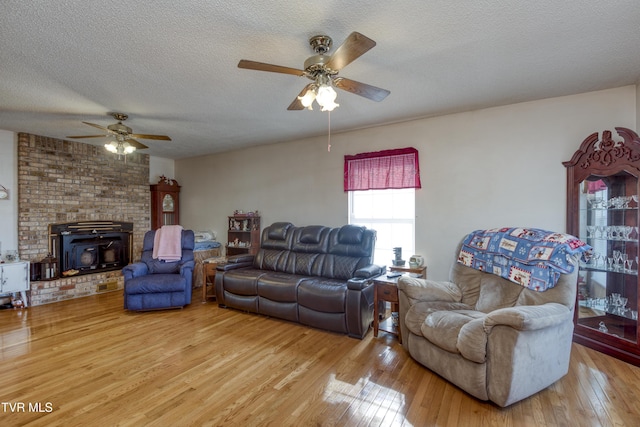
[
  {"x": 323, "y": 71},
  {"x": 124, "y": 141},
  {"x": 119, "y": 147},
  {"x": 322, "y": 92}
]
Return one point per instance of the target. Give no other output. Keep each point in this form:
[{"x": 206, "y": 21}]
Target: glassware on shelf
[{"x": 602, "y": 327}]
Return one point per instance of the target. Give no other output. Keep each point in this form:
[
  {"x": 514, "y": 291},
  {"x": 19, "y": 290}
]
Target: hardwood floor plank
[{"x": 97, "y": 364}]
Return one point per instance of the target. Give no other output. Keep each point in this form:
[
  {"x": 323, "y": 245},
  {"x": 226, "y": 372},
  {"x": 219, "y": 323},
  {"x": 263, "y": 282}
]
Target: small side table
[
  {"x": 421, "y": 271},
  {"x": 385, "y": 289},
  {"x": 208, "y": 276}
]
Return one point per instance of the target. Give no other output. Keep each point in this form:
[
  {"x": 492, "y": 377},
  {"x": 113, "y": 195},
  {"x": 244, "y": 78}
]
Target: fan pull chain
[{"x": 329, "y": 134}]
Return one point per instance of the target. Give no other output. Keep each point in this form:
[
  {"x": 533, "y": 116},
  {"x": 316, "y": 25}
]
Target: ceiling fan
[
  {"x": 323, "y": 70},
  {"x": 125, "y": 141}
]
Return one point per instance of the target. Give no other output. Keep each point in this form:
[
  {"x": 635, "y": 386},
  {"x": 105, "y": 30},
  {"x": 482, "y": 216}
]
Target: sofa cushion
[
  {"x": 311, "y": 239},
  {"x": 271, "y": 259},
  {"x": 442, "y": 328},
  {"x": 308, "y": 264},
  {"x": 324, "y": 295},
  {"x": 496, "y": 292},
  {"x": 157, "y": 266},
  {"x": 278, "y": 235},
  {"x": 351, "y": 234},
  {"x": 278, "y": 230},
  {"x": 282, "y": 287},
  {"x": 243, "y": 281},
  {"x": 312, "y": 233},
  {"x": 339, "y": 267},
  {"x": 419, "y": 311},
  {"x": 352, "y": 241}
]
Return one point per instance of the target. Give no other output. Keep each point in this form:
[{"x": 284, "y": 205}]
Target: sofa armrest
[
  {"x": 369, "y": 271},
  {"x": 236, "y": 261},
  {"x": 233, "y": 266},
  {"x": 417, "y": 289},
  {"x": 240, "y": 259},
  {"x": 356, "y": 284},
  {"x": 529, "y": 317},
  {"x": 136, "y": 269}
]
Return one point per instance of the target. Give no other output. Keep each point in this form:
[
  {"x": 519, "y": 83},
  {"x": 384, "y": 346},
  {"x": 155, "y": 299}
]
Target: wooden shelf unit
[{"x": 243, "y": 234}]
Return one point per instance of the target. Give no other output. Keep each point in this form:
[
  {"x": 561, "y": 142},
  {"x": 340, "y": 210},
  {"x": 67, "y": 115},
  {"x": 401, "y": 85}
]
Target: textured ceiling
[{"x": 172, "y": 65}]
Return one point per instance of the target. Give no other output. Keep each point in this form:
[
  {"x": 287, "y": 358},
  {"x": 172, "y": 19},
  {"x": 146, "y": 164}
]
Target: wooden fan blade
[
  {"x": 137, "y": 144},
  {"x": 143, "y": 136},
  {"x": 99, "y": 127},
  {"x": 297, "y": 104},
  {"x": 261, "y": 66},
  {"x": 371, "y": 92},
  {"x": 353, "y": 47},
  {"x": 88, "y": 136}
]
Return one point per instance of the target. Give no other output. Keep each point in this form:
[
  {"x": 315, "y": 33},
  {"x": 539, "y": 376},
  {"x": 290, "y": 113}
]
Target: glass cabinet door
[
  {"x": 608, "y": 283},
  {"x": 168, "y": 216},
  {"x": 602, "y": 210}
]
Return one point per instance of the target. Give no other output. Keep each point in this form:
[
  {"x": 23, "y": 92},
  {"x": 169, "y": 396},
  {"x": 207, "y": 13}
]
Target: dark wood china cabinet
[
  {"x": 602, "y": 209},
  {"x": 165, "y": 203}
]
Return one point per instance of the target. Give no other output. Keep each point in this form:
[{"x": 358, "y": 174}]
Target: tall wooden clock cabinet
[
  {"x": 602, "y": 209},
  {"x": 165, "y": 203}
]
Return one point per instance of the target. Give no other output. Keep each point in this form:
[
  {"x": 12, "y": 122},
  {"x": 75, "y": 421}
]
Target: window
[
  {"x": 392, "y": 214},
  {"x": 381, "y": 187}
]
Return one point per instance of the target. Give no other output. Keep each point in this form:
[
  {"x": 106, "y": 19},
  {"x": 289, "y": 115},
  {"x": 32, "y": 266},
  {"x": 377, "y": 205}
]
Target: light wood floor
[{"x": 87, "y": 362}]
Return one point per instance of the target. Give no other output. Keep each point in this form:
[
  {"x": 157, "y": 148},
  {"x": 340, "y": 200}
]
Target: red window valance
[{"x": 381, "y": 170}]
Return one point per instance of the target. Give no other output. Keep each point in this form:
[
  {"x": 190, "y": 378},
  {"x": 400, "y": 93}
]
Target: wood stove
[{"x": 91, "y": 246}]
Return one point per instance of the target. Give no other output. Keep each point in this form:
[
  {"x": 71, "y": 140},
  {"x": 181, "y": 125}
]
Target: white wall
[
  {"x": 637, "y": 128},
  {"x": 487, "y": 168},
  {"x": 9, "y": 179},
  {"x": 159, "y": 166}
]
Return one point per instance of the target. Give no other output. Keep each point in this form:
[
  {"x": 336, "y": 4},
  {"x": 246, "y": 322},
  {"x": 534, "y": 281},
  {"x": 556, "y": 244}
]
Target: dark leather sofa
[{"x": 313, "y": 275}]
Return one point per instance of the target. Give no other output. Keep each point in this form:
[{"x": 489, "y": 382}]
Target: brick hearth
[{"x": 66, "y": 181}]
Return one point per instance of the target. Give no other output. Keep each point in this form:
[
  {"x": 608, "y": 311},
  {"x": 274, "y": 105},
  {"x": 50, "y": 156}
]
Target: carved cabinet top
[{"x": 600, "y": 155}]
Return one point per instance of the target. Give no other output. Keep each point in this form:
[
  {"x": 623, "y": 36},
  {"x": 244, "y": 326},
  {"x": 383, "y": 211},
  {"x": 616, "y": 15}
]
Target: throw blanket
[
  {"x": 530, "y": 257},
  {"x": 167, "y": 243}
]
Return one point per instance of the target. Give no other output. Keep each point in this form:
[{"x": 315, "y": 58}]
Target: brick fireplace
[{"x": 65, "y": 182}]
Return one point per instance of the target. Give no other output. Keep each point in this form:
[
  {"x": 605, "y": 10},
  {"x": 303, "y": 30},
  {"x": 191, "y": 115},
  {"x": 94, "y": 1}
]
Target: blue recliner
[{"x": 152, "y": 284}]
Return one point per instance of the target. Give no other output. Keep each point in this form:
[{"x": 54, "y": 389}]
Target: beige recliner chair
[{"x": 493, "y": 338}]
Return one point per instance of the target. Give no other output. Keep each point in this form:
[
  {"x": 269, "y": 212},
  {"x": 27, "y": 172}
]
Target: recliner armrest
[
  {"x": 528, "y": 317},
  {"x": 418, "y": 289},
  {"x": 187, "y": 266},
  {"x": 136, "y": 269}
]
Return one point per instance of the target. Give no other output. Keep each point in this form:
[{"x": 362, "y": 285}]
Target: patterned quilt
[{"x": 530, "y": 257}]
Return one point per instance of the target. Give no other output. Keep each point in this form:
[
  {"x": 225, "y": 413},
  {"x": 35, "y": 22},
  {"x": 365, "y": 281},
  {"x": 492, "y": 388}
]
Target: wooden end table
[
  {"x": 422, "y": 271},
  {"x": 385, "y": 289},
  {"x": 208, "y": 276}
]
